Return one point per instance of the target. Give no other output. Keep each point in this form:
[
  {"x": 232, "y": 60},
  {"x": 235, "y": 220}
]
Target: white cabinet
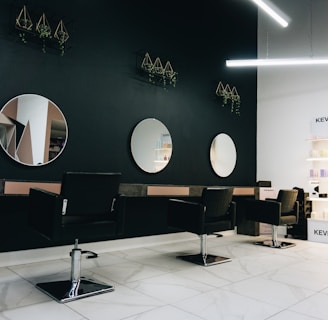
[{"x": 317, "y": 230}]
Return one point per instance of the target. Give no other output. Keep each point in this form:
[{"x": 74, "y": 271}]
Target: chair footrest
[
  {"x": 275, "y": 244},
  {"x": 205, "y": 261},
  {"x": 65, "y": 291}
]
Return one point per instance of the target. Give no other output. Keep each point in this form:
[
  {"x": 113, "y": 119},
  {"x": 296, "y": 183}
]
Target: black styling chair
[
  {"x": 214, "y": 213},
  {"x": 88, "y": 208},
  {"x": 281, "y": 211}
]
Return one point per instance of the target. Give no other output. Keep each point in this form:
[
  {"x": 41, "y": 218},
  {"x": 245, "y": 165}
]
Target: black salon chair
[
  {"x": 214, "y": 213},
  {"x": 88, "y": 208},
  {"x": 281, "y": 211}
]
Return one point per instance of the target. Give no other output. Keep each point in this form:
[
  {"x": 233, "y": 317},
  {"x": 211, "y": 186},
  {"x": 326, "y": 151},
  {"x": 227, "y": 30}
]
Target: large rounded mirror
[
  {"x": 151, "y": 145},
  {"x": 223, "y": 155},
  {"x": 33, "y": 130}
]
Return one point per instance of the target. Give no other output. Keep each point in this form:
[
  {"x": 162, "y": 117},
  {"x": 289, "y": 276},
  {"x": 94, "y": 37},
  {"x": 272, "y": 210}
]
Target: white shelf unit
[
  {"x": 318, "y": 176},
  {"x": 162, "y": 157},
  {"x": 318, "y": 156}
]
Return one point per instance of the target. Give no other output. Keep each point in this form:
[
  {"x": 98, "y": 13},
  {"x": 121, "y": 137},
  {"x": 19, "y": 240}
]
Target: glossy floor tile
[{"x": 151, "y": 283}]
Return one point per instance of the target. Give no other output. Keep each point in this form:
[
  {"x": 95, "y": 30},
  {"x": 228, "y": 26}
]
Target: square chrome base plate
[
  {"x": 60, "y": 290},
  {"x": 205, "y": 261},
  {"x": 275, "y": 244}
]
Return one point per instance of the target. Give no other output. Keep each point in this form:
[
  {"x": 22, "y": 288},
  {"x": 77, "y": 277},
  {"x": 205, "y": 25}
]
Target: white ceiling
[{"x": 306, "y": 35}]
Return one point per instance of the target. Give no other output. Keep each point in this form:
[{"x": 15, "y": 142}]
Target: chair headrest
[
  {"x": 287, "y": 199},
  {"x": 217, "y": 200},
  {"x": 89, "y": 193}
]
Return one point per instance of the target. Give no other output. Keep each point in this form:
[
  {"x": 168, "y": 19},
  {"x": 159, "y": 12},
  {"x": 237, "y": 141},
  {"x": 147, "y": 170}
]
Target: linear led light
[
  {"x": 269, "y": 10},
  {"x": 275, "y": 62}
]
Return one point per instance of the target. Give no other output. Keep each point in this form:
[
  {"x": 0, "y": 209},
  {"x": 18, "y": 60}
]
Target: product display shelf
[{"x": 318, "y": 223}]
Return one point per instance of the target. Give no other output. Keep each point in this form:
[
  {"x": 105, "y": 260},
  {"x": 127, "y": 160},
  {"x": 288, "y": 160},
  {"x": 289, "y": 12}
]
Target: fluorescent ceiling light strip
[
  {"x": 275, "y": 62},
  {"x": 271, "y": 12}
]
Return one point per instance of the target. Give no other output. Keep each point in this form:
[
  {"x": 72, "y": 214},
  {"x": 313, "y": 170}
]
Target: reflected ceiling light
[
  {"x": 271, "y": 12},
  {"x": 276, "y": 62}
]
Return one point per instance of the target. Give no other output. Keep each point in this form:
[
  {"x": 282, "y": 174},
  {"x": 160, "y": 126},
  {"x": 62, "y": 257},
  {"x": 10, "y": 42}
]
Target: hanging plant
[
  {"x": 23, "y": 23},
  {"x": 44, "y": 30},
  {"x": 62, "y": 36},
  {"x": 229, "y": 97},
  {"x": 157, "y": 73}
]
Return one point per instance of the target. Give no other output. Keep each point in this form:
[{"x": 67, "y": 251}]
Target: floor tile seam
[
  {"x": 37, "y": 304},
  {"x": 126, "y": 282},
  {"x": 287, "y": 265},
  {"x": 21, "y": 277},
  {"x": 186, "y": 311},
  {"x": 211, "y": 288},
  {"x": 253, "y": 299},
  {"x": 166, "y": 305},
  {"x": 304, "y": 314},
  {"x": 292, "y": 285},
  {"x": 137, "y": 314},
  {"x": 275, "y": 314},
  {"x": 293, "y": 311},
  {"x": 145, "y": 294},
  {"x": 137, "y": 260},
  {"x": 31, "y": 280},
  {"x": 321, "y": 291},
  {"x": 279, "y": 306},
  {"x": 295, "y": 261},
  {"x": 108, "y": 281},
  {"x": 202, "y": 282},
  {"x": 250, "y": 278},
  {"x": 67, "y": 305},
  {"x": 245, "y": 297},
  {"x": 264, "y": 277},
  {"x": 21, "y": 265},
  {"x": 301, "y": 301},
  {"x": 18, "y": 276},
  {"x": 66, "y": 269}
]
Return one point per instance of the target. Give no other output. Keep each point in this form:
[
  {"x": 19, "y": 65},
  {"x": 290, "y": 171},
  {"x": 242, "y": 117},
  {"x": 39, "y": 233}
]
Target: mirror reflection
[
  {"x": 151, "y": 145},
  {"x": 33, "y": 130},
  {"x": 223, "y": 155}
]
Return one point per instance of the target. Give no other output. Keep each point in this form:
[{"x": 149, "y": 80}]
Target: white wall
[{"x": 290, "y": 97}]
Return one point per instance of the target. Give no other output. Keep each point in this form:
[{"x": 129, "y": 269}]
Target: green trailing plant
[
  {"x": 62, "y": 36},
  {"x": 157, "y": 73},
  {"x": 229, "y": 97},
  {"x": 42, "y": 30},
  {"x": 22, "y": 37},
  {"x": 23, "y": 23}
]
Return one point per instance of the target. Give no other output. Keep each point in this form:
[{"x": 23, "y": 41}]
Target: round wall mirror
[
  {"x": 223, "y": 155},
  {"x": 33, "y": 130},
  {"x": 151, "y": 145}
]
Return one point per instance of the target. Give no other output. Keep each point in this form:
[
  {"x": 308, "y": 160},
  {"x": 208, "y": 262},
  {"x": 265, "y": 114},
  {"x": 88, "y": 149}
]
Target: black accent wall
[{"x": 96, "y": 85}]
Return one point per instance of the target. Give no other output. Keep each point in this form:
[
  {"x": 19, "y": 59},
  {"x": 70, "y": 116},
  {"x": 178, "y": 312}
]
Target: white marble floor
[{"x": 150, "y": 283}]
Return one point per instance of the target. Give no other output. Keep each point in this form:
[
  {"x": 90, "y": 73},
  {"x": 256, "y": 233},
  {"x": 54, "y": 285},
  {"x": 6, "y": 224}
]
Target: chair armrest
[
  {"x": 297, "y": 210},
  {"x": 186, "y": 215},
  {"x": 266, "y": 211},
  {"x": 118, "y": 213},
  {"x": 44, "y": 212},
  {"x": 233, "y": 213}
]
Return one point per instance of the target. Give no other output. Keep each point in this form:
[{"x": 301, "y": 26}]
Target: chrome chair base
[
  {"x": 204, "y": 260},
  {"x": 66, "y": 290},
  {"x": 275, "y": 244}
]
